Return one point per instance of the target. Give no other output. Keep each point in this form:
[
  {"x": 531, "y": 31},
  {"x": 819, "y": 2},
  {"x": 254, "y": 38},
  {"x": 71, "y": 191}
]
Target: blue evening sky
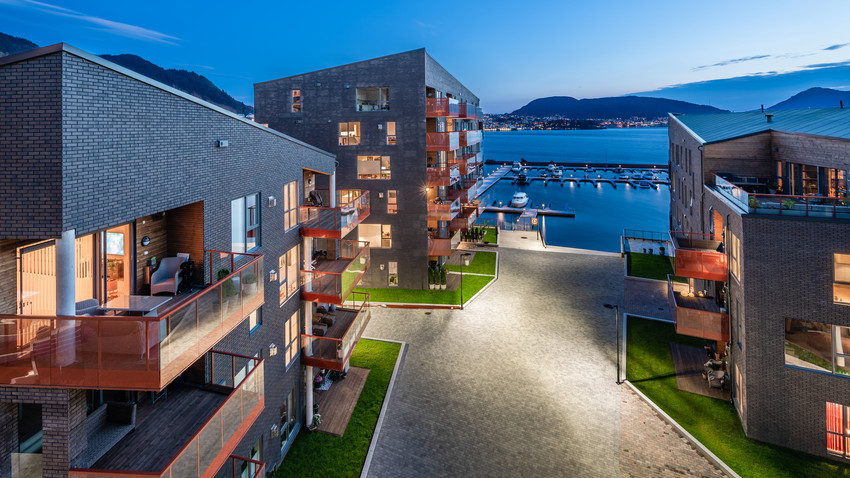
[{"x": 507, "y": 52}]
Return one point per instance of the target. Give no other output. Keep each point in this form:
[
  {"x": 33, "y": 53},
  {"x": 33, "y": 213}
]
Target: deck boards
[
  {"x": 688, "y": 363},
  {"x": 337, "y": 404},
  {"x": 161, "y": 430}
]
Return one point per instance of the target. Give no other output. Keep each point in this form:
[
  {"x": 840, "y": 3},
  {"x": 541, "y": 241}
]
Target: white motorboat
[
  {"x": 623, "y": 176},
  {"x": 557, "y": 173},
  {"x": 516, "y": 167},
  {"x": 552, "y": 167},
  {"x": 520, "y": 199},
  {"x": 644, "y": 185},
  {"x": 649, "y": 176},
  {"x": 522, "y": 177}
]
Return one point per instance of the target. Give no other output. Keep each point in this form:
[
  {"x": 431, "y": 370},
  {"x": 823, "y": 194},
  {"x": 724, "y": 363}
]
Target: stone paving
[{"x": 521, "y": 383}]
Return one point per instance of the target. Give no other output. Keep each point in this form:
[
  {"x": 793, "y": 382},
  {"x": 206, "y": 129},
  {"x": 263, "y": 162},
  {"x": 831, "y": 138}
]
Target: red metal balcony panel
[
  {"x": 334, "y": 287},
  {"x": 445, "y": 211},
  {"x": 129, "y": 352},
  {"x": 439, "y": 247},
  {"x": 442, "y": 176},
  {"x": 332, "y": 351},
  {"x": 698, "y": 256},
  {"x": 465, "y": 220},
  {"x": 438, "y": 107},
  {"x": 335, "y": 222},
  {"x": 447, "y": 141},
  {"x": 697, "y": 316}
]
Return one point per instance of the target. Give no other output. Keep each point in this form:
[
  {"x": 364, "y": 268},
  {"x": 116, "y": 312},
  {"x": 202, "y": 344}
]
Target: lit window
[
  {"x": 255, "y": 320},
  {"x": 291, "y": 337},
  {"x": 290, "y": 205},
  {"x": 841, "y": 286},
  {"x": 349, "y": 133},
  {"x": 817, "y": 346},
  {"x": 392, "y": 201},
  {"x": 392, "y": 268},
  {"x": 288, "y": 274},
  {"x": 245, "y": 223},
  {"x": 373, "y": 99},
  {"x": 391, "y": 133},
  {"x": 836, "y": 429},
  {"x": 373, "y": 167},
  {"x": 377, "y": 235},
  {"x": 296, "y": 101},
  {"x": 735, "y": 256}
]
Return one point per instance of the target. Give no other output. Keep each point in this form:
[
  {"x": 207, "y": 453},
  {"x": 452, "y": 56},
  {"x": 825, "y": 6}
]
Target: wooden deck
[
  {"x": 337, "y": 404},
  {"x": 162, "y": 429},
  {"x": 688, "y": 363}
]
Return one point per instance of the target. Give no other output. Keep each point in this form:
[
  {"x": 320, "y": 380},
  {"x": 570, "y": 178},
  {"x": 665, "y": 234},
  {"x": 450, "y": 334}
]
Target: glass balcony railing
[
  {"x": 331, "y": 281},
  {"x": 467, "y": 110},
  {"x": 335, "y": 222},
  {"x": 442, "y": 175},
  {"x": 699, "y": 256},
  {"x": 210, "y": 447},
  {"x": 782, "y": 204},
  {"x": 448, "y": 141},
  {"x": 333, "y": 347},
  {"x": 445, "y": 210},
  {"x": 479, "y": 113},
  {"x": 474, "y": 137},
  {"x": 441, "y": 107},
  {"x": 465, "y": 220},
  {"x": 131, "y": 352},
  {"x": 695, "y": 314}
]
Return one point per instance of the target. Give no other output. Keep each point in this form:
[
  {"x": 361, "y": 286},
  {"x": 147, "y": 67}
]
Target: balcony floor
[
  {"x": 328, "y": 265},
  {"x": 162, "y": 429},
  {"x": 689, "y": 365},
  {"x": 705, "y": 304},
  {"x": 337, "y": 404}
]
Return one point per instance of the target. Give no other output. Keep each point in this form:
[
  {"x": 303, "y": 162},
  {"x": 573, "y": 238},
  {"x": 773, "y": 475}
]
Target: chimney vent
[
  {"x": 769, "y": 118},
  {"x": 841, "y": 103}
]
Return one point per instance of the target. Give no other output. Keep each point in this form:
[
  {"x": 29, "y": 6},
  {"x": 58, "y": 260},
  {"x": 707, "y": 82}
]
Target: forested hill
[{"x": 10, "y": 45}]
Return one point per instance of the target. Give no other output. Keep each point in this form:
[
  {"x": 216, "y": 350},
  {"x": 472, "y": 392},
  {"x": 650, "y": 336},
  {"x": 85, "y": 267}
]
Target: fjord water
[{"x": 601, "y": 213}]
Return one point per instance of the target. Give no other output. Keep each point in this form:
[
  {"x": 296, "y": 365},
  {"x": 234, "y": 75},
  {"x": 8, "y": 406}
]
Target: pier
[
  {"x": 530, "y": 211},
  {"x": 574, "y": 165}
]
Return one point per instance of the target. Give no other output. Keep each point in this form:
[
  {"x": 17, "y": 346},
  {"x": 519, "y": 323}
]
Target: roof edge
[
  {"x": 64, "y": 47},
  {"x": 340, "y": 66},
  {"x": 673, "y": 116}
]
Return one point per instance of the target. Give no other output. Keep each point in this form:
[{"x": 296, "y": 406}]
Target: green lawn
[
  {"x": 649, "y": 266},
  {"x": 491, "y": 236},
  {"x": 713, "y": 422},
  {"x": 321, "y": 455},
  {"x": 471, "y": 285},
  {"x": 482, "y": 263}
]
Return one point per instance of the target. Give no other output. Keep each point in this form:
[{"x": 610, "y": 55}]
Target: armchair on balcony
[{"x": 167, "y": 277}]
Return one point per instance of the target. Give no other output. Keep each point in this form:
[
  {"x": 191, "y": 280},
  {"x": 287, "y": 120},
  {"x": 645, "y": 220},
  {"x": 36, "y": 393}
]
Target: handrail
[{"x": 784, "y": 204}]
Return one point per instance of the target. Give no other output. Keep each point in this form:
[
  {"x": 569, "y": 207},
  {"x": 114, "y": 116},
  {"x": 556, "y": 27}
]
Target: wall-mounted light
[
  {"x": 272, "y": 349},
  {"x": 275, "y": 431},
  {"x": 380, "y": 126},
  {"x": 362, "y": 260},
  {"x": 347, "y": 86},
  {"x": 381, "y": 195},
  {"x": 272, "y": 275},
  {"x": 318, "y": 83},
  {"x": 272, "y": 201},
  {"x": 381, "y": 267},
  {"x": 221, "y": 143}
]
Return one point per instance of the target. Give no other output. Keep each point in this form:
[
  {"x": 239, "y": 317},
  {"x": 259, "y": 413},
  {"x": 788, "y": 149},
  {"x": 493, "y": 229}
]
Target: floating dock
[
  {"x": 603, "y": 166},
  {"x": 531, "y": 211}
]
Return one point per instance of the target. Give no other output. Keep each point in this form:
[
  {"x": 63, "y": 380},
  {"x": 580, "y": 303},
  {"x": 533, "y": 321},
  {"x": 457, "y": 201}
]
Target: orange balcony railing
[
  {"x": 467, "y": 110},
  {"x": 130, "y": 352},
  {"x": 332, "y": 281},
  {"x": 441, "y": 107},
  {"x": 467, "y": 162},
  {"x": 442, "y": 175},
  {"x": 333, "y": 348},
  {"x": 210, "y": 447},
  {"x": 445, "y": 210},
  {"x": 697, "y": 315},
  {"x": 335, "y": 222},
  {"x": 698, "y": 256},
  {"x": 439, "y": 247},
  {"x": 442, "y": 141},
  {"x": 465, "y": 220}
]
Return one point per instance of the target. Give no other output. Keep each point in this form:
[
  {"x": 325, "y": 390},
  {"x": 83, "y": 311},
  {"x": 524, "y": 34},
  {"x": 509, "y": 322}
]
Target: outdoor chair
[{"x": 167, "y": 277}]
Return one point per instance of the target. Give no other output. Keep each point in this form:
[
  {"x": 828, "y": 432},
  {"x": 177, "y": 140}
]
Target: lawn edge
[
  {"x": 696, "y": 443},
  {"x": 399, "y": 362}
]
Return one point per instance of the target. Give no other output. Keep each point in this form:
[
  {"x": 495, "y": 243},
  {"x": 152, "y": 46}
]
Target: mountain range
[
  {"x": 187, "y": 81},
  {"x": 814, "y": 98},
  {"x": 611, "y": 107}
]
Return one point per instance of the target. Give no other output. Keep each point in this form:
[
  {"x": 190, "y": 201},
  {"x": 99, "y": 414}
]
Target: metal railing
[
  {"x": 646, "y": 235},
  {"x": 444, "y": 211},
  {"x": 334, "y": 287},
  {"x": 698, "y": 257},
  {"x": 442, "y": 175},
  {"x": 334, "y": 222},
  {"x": 444, "y": 141},
  {"x": 442, "y": 107},
  {"x": 696, "y": 322},
  {"x": 334, "y": 352}
]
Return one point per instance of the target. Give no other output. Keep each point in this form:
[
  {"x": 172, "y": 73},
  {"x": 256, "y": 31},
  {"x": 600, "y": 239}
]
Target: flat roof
[
  {"x": 64, "y": 47},
  {"x": 718, "y": 127}
]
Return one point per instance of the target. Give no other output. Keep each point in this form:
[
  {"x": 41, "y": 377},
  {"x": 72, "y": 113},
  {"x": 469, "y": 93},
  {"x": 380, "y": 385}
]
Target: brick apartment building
[
  {"x": 760, "y": 218},
  {"x": 104, "y": 170},
  {"x": 403, "y": 129}
]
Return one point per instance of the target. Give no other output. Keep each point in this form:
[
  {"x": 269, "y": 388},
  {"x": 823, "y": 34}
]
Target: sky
[{"x": 506, "y": 52}]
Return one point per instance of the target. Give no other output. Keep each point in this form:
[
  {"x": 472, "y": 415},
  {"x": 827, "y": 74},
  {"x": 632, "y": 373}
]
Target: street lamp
[
  {"x": 464, "y": 261},
  {"x": 617, "y": 325}
]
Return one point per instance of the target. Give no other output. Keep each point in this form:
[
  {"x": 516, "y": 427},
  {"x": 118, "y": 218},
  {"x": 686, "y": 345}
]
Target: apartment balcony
[
  {"x": 697, "y": 315},
  {"x": 332, "y": 280},
  {"x": 439, "y": 247},
  {"x": 474, "y": 137},
  {"x": 479, "y": 114},
  {"x": 699, "y": 256},
  {"x": 331, "y": 348},
  {"x": 783, "y": 204},
  {"x": 465, "y": 220},
  {"x": 467, "y": 163},
  {"x": 335, "y": 222},
  {"x": 442, "y": 175},
  {"x": 128, "y": 352},
  {"x": 441, "y": 107},
  {"x": 448, "y": 141},
  {"x": 444, "y": 210},
  {"x": 204, "y": 422},
  {"x": 468, "y": 111}
]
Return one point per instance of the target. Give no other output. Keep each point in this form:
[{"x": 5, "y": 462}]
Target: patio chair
[{"x": 167, "y": 277}]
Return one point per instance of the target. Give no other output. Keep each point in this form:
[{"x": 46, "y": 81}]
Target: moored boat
[{"x": 520, "y": 199}]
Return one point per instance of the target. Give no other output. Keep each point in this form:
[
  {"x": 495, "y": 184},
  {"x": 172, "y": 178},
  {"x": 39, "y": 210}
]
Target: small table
[{"x": 144, "y": 305}]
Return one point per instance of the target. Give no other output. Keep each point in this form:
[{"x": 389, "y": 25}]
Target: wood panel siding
[
  {"x": 748, "y": 156},
  {"x": 812, "y": 150},
  {"x": 155, "y": 228},
  {"x": 186, "y": 234}
]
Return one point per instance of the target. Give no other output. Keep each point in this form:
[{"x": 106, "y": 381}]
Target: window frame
[
  {"x": 842, "y": 438},
  {"x": 291, "y": 338},
  {"x": 246, "y": 227},
  {"x": 382, "y": 175},
  {"x": 290, "y": 205},
  {"x": 295, "y": 103},
  {"x": 384, "y": 235},
  {"x": 350, "y": 128},
  {"x": 382, "y": 103},
  {"x": 288, "y": 265},
  {"x": 392, "y": 201},
  {"x": 258, "y": 321},
  {"x": 840, "y": 284},
  {"x": 392, "y": 139}
]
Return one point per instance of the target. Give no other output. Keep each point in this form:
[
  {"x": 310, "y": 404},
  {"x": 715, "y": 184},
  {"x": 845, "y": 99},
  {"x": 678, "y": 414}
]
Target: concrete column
[
  {"x": 308, "y": 396},
  {"x": 66, "y": 298},
  {"x": 332, "y": 189}
]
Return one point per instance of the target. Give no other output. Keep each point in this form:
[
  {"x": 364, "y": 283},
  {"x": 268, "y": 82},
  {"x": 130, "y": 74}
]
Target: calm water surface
[{"x": 601, "y": 212}]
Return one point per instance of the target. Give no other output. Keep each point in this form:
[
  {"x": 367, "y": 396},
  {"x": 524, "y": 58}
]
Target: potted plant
[
  {"x": 443, "y": 276},
  {"x": 432, "y": 278},
  {"x": 788, "y": 203},
  {"x": 228, "y": 289},
  {"x": 250, "y": 283},
  {"x": 317, "y": 420},
  {"x": 317, "y": 382},
  {"x": 773, "y": 187}
]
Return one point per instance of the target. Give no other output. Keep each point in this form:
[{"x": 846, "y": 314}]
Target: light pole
[
  {"x": 464, "y": 261},
  {"x": 617, "y": 325}
]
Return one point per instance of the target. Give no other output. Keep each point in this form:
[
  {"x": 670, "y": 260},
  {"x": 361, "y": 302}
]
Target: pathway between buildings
[{"x": 521, "y": 383}]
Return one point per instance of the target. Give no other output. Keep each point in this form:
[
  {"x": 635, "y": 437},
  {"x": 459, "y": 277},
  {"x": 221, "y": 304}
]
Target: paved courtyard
[{"x": 521, "y": 383}]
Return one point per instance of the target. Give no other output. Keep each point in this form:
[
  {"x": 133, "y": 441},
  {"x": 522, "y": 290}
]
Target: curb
[
  {"x": 696, "y": 443},
  {"x": 398, "y": 364}
]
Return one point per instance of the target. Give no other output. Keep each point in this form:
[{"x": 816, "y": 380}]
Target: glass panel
[
  {"x": 841, "y": 343},
  {"x": 249, "y": 281},
  {"x": 232, "y": 414},
  {"x": 230, "y": 299},
  {"x": 209, "y": 309},
  {"x": 187, "y": 463},
  {"x": 237, "y": 225},
  {"x": 210, "y": 441},
  {"x": 183, "y": 333},
  {"x": 808, "y": 344}
]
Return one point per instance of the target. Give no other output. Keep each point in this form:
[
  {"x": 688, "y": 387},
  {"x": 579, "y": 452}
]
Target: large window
[
  {"x": 392, "y": 201},
  {"x": 373, "y": 167},
  {"x": 288, "y": 418},
  {"x": 245, "y": 223},
  {"x": 290, "y": 205},
  {"x": 378, "y": 235},
  {"x": 391, "y": 138},
  {"x": 837, "y": 429},
  {"x": 291, "y": 337},
  {"x": 288, "y": 274},
  {"x": 816, "y": 346},
  {"x": 296, "y": 101},
  {"x": 373, "y": 99},
  {"x": 841, "y": 286},
  {"x": 349, "y": 133},
  {"x": 392, "y": 268},
  {"x": 735, "y": 255}
]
